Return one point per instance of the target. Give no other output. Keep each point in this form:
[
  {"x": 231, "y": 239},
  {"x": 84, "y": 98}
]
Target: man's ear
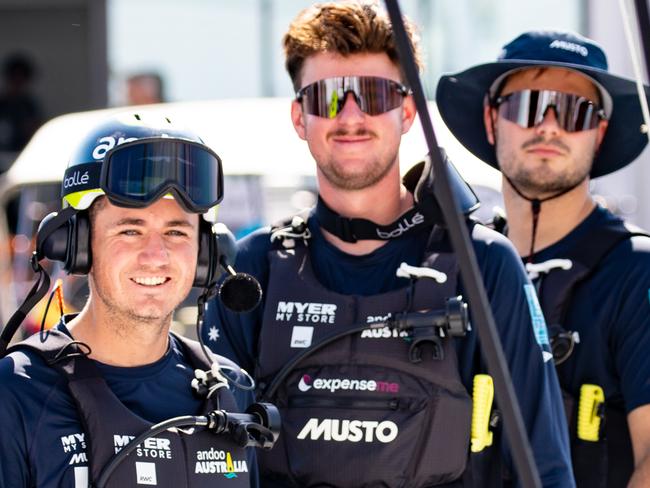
[
  {"x": 489, "y": 120},
  {"x": 408, "y": 113},
  {"x": 298, "y": 118},
  {"x": 602, "y": 129}
]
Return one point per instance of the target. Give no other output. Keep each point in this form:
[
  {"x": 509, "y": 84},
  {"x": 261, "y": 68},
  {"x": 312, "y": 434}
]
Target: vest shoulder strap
[
  {"x": 193, "y": 352},
  {"x": 58, "y": 350},
  {"x": 592, "y": 248},
  {"x": 557, "y": 286}
]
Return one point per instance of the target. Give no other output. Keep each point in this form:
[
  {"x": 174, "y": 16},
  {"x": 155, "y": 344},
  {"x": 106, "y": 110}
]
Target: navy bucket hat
[{"x": 461, "y": 97}]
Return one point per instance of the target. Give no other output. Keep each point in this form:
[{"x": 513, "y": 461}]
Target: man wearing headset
[
  {"x": 550, "y": 116},
  {"x": 136, "y": 221},
  {"x": 387, "y": 402}
]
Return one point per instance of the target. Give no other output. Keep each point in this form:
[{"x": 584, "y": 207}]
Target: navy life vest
[
  {"x": 608, "y": 462},
  {"x": 366, "y": 410},
  {"x": 171, "y": 459}
]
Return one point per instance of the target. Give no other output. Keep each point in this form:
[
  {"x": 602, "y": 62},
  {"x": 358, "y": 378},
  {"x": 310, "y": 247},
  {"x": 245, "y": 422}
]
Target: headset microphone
[{"x": 239, "y": 292}]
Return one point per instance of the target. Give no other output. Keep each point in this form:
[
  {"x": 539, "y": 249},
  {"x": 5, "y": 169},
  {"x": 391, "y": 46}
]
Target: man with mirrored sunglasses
[
  {"x": 550, "y": 116},
  {"x": 365, "y": 402}
]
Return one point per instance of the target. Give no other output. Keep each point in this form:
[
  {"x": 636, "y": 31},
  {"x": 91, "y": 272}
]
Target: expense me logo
[
  {"x": 335, "y": 384},
  {"x": 315, "y": 313},
  {"x": 218, "y": 461},
  {"x": 349, "y": 430}
]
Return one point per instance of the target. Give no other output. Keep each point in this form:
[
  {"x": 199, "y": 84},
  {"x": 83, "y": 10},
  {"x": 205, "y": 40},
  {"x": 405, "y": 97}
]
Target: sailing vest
[
  {"x": 609, "y": 461},
  {"x": 366, "y": 410},
  {"x": 170, "y": 459}
]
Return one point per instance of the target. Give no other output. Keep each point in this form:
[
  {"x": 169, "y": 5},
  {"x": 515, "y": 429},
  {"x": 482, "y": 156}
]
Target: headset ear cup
[
  {"x": 79, "y": 257},
  {"x": 55, "y": 245},
  {"x": 207, "y": 259}
]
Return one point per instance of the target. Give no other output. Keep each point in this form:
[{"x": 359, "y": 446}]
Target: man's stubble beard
[
  {"x": 377, "y": 169},
  {"x": 124, "y": 320},
  {"x": 541, "y": 179}
]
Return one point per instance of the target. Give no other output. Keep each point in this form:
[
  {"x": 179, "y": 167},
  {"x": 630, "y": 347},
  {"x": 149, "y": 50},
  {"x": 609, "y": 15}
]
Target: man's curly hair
[{"x": 344, "y": 28}]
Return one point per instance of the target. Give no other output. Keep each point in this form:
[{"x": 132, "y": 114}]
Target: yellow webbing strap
[
  {"x": 590, "y": 412},
  {"x": 482, "y": 397}
]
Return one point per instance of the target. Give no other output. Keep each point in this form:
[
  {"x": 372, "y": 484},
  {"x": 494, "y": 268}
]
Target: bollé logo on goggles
[
  {"x": 75, "y": 179},
  {"x": 402, "y": 226}
]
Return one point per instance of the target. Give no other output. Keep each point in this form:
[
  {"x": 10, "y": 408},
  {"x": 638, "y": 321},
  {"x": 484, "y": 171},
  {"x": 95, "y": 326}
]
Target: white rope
[
  {"x": 632, "y": 44},
  {"x": 406, "y": 271},
  {"x": 535, "y": 269}
]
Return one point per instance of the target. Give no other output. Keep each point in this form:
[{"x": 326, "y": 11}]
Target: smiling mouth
[{"x": 151, "y": 281}]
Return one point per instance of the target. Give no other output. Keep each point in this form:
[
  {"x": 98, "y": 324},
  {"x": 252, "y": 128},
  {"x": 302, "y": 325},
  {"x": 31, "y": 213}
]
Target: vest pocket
[
  {"x": 346, "y": 430},
  {"x": 345, "y": 402}
]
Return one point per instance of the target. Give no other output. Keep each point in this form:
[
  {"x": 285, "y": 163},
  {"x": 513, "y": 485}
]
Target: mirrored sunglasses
[
  {"x": 527, "y": 109},
  {"x": 374, "y": 96}
]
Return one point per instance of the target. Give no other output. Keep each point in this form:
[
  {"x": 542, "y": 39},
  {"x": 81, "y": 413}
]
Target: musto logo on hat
[{"x": 569, "y": 46}]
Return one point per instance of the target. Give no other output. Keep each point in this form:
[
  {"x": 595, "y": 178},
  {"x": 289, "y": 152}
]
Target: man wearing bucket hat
[{"x": 550, "y": 116}]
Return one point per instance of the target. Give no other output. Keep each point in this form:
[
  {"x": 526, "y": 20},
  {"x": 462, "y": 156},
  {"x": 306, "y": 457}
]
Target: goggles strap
[
  {"x": 536, "y": 207},
  {"x": 353, "y": 230}
]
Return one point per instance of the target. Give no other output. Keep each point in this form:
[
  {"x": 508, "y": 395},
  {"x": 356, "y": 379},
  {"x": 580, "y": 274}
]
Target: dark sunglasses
[
  {"x": 527, "y": 109},
  {"x": 374, "y": 96},
  {"x": 138, "y": 173}
]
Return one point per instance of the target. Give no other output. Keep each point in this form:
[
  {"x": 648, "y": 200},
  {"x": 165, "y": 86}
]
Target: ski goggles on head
[
  {"x": 374, "y": 96},
  {"x": 527, "y": 109},
  {"x": 136, "y": 174}
]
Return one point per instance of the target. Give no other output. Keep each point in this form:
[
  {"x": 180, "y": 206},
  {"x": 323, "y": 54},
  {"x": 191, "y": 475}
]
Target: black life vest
[
  {"x": 170, "y": 459},
  {"x": 359, "y": 412},
  {"x": 608, "y": 462}
]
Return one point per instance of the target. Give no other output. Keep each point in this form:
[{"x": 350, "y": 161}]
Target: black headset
[{"x": 65, "y": 236}]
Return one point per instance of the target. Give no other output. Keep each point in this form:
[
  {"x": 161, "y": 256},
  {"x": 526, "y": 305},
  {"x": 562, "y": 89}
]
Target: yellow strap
[
  {"x": 589, "y": 412},
  {"x": 482, "y": 397}
]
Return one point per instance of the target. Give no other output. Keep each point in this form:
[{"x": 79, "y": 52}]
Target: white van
[{"x": 269, "y": 174}]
